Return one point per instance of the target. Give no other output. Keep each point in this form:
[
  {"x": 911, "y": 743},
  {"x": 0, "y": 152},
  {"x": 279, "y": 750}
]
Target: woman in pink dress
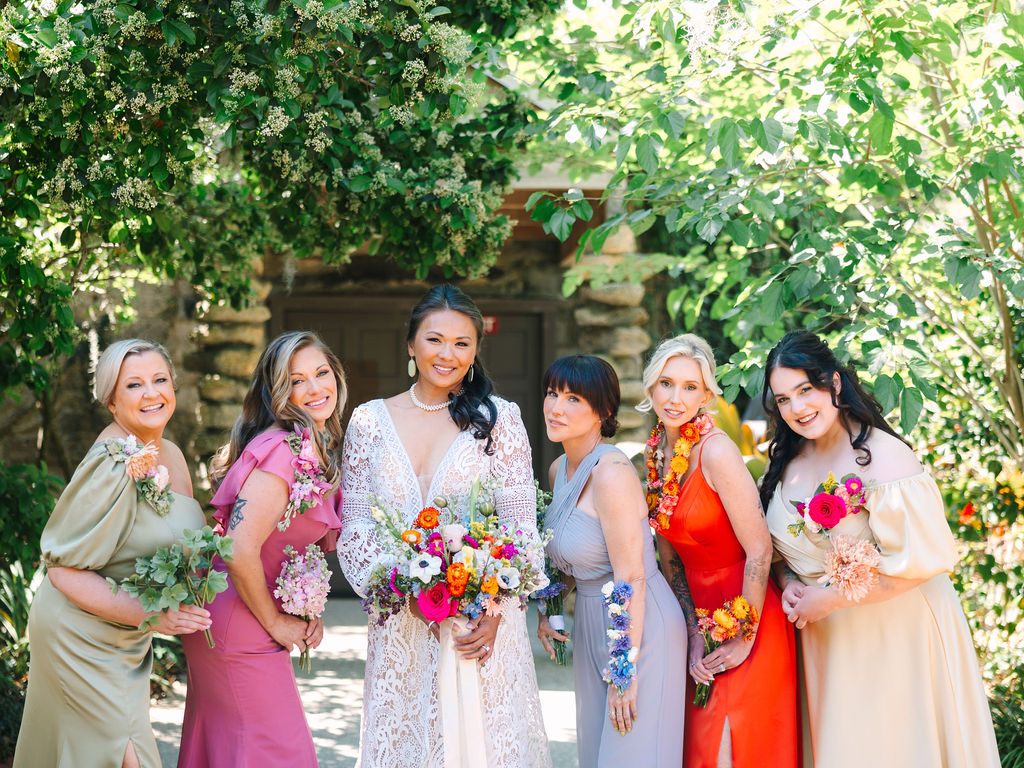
[{"x": 243, "y": 708}]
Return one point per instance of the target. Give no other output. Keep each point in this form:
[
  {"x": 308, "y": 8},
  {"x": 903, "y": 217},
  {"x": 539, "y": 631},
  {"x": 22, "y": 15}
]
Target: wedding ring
[
  {"x": 721, "y": 667},
  {"x": 487, "y": 648}
]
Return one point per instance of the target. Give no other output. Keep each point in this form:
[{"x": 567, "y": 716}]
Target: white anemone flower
[{"x": 425, "y": 567}]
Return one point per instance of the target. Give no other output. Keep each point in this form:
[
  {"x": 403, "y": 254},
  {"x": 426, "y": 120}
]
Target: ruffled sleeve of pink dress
[{"x": 243, "y": 706}]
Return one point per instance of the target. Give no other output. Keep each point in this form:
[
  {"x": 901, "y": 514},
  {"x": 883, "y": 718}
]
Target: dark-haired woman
[
  {"x": 892, "y": 679},
  {"x": 434, "y": 440},
  {"x": 600, "y": 535},
  {"x": 243, "y": 707}
]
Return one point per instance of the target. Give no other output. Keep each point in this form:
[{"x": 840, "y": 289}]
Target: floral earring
[{"x": 412, "y": 366}]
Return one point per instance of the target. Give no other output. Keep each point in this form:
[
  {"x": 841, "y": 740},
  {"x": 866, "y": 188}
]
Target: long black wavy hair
[
  {"x": 859, "y": 409},
  {"x": 472, "y": 408}
]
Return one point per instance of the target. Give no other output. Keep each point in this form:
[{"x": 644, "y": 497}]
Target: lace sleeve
[
  {"x": 358, "y": 547},
  {"x": 516, "y": 501}
]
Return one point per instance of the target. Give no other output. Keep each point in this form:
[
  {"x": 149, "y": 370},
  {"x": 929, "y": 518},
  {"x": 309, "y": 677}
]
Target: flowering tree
[{"x": 182, "y": 138}]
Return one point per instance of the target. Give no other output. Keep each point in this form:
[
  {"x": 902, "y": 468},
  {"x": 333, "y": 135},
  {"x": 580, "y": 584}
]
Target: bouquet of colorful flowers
[
  {"x": 832, "y": 501},
  {"x": 455, "y": 558},
  {"x": 180, "y": 574},
  {"x": 736, "y": 618},
  {"x": 151, "y": 479},
  {"x": 551, "y": 597},
  {"x": 302, "y": 588},
  {"x": 308, "y": 488},
  {"x": 621, "y": 669}
]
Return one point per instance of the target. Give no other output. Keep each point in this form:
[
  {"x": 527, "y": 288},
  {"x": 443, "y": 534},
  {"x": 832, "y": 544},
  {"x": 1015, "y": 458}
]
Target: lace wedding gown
[{"x": 401, "y": 724}]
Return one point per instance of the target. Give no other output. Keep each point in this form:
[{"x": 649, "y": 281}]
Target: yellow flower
[
  {"x": 679, "y": 465},
  {"x": 724, "y": 619},
  {"x": 740, "y": 607},
  {"x": 830, "y": 484}
]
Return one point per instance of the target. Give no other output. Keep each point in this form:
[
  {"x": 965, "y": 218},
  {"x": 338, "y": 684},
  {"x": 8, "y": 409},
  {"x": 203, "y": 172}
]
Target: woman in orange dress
[{"x": 714, "y": 545}]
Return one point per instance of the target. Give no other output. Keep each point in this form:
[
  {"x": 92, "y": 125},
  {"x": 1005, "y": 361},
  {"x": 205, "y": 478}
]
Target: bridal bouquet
[
  {"x": 180, "y": 574},
  {"x": 302, "y": 588},
  {"x": 736, "y": 618},
  {"x": 455, "y": 558}
]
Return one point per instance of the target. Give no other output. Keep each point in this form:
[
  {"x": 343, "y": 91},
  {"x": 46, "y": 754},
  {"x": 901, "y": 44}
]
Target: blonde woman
[
  {"x": 243, "y": 706},
  {"x": 88, "y": 687},
  {"x": 714, "y": 546}
]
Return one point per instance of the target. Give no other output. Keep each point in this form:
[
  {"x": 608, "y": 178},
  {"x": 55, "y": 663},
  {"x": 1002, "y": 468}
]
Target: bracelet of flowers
[
  {"x": 621, "y": 669},
  {"x": 308, "y": 488},
  {"x": 151, "y": 479},
  {"x": 832, "y": 501}
]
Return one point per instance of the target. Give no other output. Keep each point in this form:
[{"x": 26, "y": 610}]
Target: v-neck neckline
[{"x": 408, "y": 459}]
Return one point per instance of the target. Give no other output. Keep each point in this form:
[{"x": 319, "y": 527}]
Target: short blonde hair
[
  {"x": 108, "y": 368},
  {"x": 686, "y": 345}
]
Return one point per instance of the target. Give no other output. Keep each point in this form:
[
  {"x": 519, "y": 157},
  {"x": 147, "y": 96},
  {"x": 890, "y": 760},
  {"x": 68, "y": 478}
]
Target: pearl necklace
[{"x": 424, "y": 406}]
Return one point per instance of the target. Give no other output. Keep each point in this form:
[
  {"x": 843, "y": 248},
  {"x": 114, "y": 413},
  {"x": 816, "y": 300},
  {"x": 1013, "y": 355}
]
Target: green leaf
[
  {"x": 911, "y": 405},
  {"x": 729, "y": 140},
  {"x": 887, "y": 392},
  {"x": 738, "y": 231},
  {"x": 672, "y": 123},
  {"x": 880, "y": 131},
  {"x": 767, "y": 133},
  {"x": 532, "y": 199},
  {"x": 560, "y": 223},
  {"x": 647, "y": 149},
  {"x": 708, "y": 229}
]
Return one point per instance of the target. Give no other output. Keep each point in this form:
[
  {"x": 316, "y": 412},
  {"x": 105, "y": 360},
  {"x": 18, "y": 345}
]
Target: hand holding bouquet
[
  {"x": 302, "y": 588},
  {"x": 736, "y": 618},
  {"x": 179, "y": 575}
]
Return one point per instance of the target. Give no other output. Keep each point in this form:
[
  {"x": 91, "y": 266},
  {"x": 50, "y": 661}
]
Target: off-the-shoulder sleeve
[
  {"x": 267, "y": 452},
  {"x": 358, "y": 545},
  {"x": 909, "y": 525},
  {"x": 94, "y": 516},
  {"x": 516, "y": 500}
]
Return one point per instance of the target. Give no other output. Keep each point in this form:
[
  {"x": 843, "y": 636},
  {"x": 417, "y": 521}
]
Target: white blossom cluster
[
  {"x": 451, "y": 43},
  {"x": 251, "y": 20},
  {"x": 317, "y": 139},
  {"x": 136, "y": 193},
  {"x": 275, "y": 122},
  {"x": 243, "y": 81}
]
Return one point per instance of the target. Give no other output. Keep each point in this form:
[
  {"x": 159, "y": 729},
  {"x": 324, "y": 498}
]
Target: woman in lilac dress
[{"x": 243, "y": 708}]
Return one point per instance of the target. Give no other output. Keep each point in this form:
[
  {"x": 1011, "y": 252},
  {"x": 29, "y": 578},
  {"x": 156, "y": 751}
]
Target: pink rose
[
  {"x": 437, "y": 603},
  {"x": 827, "y": 510},
  {"x": 161, "y": 477}
]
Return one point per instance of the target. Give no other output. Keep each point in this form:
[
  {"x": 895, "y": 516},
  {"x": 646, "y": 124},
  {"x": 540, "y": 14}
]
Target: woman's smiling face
[{"x": 807, "y": 410}]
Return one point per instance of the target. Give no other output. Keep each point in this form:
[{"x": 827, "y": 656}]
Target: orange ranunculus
[
  {"x": 458, "y": 577},
  {"x": 139, "y": 464},
  {"x": 690, "y": 432},
  {"x": 662, "y": 521},
  {"x": 427, "y": 518},
  {"x": 679, "y": 465},
  {"x": 411, "y": 537},
  {"x": 497, "y": 551},
  {"x": 490, "y": 585}
]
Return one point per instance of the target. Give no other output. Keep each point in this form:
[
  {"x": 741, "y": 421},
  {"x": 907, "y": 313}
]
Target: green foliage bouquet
[{"x": 180, "y": 574}]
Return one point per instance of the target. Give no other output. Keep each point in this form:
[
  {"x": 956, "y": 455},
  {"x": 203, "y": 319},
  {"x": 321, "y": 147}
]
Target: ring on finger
[{"x": 486, "y": 648}]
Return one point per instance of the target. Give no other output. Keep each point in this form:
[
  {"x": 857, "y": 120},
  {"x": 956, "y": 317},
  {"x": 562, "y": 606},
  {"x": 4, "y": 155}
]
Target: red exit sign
[{"x": 490, "y": 325}]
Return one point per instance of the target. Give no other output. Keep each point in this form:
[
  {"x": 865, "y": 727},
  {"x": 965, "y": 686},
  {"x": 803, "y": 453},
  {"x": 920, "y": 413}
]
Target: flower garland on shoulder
[
  {"x": 151, "y": 479},
  {"x": 621, "y": 669},
  {"x": 663, "y": 494},
  {"x": 309, "y": 487}
]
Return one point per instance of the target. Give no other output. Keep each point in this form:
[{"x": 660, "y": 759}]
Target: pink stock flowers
[
  {"x": 309, "y": 487},
  {"x": 303, "y": 586}
]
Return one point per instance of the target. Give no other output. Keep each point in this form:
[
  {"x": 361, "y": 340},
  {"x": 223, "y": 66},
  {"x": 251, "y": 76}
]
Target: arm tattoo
[
  {"x": 677, "y": 581},
  {"x": 757, "y": 570},
  {"x": 236, "y": 513}
]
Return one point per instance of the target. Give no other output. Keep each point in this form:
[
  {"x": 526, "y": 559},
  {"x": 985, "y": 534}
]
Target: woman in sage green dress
[{"x": 88, "y": 687}]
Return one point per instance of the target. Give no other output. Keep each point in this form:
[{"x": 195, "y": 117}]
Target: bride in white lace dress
[{"x": 433, "y": 441}]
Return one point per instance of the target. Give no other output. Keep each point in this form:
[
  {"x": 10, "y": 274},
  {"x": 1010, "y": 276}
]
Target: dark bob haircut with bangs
[{"x": 591, "y": 378}]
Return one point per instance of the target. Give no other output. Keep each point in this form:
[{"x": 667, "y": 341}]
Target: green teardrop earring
[
  {"x": 469, "y": 376},
  {"x": 412, "y": 367}
]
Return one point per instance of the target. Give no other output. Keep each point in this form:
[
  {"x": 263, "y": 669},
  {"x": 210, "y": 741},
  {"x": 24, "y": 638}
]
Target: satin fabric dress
[
  {"x": 242, "y": 709},
  {"x": 759, "y": 697},
  {"x": 579, "y": 549},
  {"x": 893, "y": 683},
  {"x": 88, "y": 683}
]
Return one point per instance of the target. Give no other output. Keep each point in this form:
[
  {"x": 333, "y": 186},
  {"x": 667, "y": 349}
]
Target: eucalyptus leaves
[{"x": 180, "y": 574}]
